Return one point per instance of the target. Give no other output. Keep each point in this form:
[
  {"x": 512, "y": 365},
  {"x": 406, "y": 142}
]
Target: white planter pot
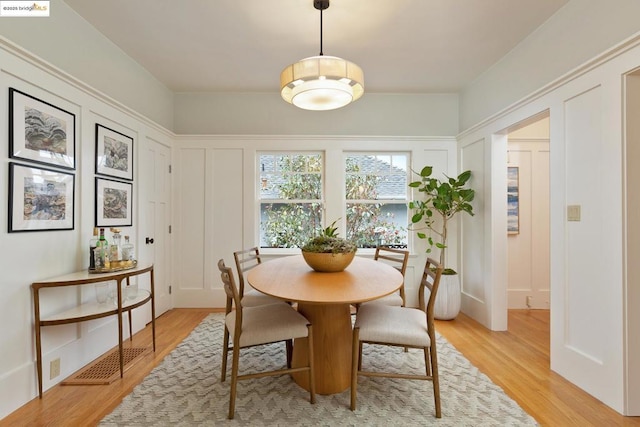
[{"x": 447, "y": 305}]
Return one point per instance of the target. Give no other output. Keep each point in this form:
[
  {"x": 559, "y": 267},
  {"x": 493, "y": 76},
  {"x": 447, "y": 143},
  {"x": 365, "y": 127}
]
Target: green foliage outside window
[
  {"x": 291, "y": 225},
  {"x": 368, "y": 224},
  {"x": 294, "y": 178},
  {"x": 288, "y": 225}
]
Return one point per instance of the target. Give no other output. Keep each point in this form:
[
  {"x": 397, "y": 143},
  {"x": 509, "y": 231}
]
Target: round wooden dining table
[{"x": 325, "y": 299}]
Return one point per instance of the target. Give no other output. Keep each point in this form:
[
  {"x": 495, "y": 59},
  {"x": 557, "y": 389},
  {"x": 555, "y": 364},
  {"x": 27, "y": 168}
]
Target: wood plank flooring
[
  {"x": 86, "y": 405},
  {"x": 517, "y": 360}
]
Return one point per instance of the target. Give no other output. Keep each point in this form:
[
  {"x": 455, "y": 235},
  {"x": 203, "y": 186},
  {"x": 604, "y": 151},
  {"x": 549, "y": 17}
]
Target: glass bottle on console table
[
  {"x": 102, "y": 252},
  {"x": 128, "y": 254},
  {"x": 102, "y": 241},
  {"x": 115, "y": 250},
  {"x": 93, "y": 244}
]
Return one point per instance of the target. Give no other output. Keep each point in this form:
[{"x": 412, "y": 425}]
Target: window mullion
[
  {"x": 334, "y": 189},
  {"x": 266, "y": 201}
]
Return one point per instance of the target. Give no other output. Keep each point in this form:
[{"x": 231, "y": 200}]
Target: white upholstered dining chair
[
  {"x": 247, "y": 259},
  {"x": 402, "y": 327},
  {"x": 253, "y": 326}
]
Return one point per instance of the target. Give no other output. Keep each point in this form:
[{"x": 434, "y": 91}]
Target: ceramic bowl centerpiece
[{"x": 328, "y": 253}]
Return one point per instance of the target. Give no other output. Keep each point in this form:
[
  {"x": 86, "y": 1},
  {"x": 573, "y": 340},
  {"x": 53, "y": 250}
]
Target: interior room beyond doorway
[{"x": 528, "y": 215}]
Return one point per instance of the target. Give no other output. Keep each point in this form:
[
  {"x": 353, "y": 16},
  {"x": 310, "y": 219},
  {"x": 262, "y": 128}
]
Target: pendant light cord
[{"x": 321, "y": 54}]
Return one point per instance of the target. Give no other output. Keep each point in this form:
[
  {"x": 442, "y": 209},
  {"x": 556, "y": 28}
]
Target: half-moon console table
[{"x": 93, "y": 310}]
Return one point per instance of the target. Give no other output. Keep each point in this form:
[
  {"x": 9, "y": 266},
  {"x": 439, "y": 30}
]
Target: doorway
[
  {"x": 528, "y": 231},
  {"x": 528, "y": 245}
]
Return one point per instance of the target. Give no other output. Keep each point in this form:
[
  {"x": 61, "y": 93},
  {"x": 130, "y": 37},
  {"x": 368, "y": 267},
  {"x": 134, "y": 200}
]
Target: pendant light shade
[{"x": 321, "y": 82}]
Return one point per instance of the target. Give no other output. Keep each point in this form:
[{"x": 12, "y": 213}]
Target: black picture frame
[
  {"x": 114, "y": 153},
  {"x": 40, "y": 199},
  {"x": 40, "y": 132},
  {"x": 114, "y": 203}
]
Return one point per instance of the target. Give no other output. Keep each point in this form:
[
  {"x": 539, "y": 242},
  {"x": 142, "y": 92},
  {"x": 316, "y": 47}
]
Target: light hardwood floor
[{"x": 517, "y": 360}]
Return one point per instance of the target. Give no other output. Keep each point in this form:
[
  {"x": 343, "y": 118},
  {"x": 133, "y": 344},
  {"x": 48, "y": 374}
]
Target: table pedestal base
[{"x": 331, "y": 332}]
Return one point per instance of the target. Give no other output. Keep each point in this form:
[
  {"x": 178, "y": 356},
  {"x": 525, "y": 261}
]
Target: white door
[{"x": 155, "y": 236}]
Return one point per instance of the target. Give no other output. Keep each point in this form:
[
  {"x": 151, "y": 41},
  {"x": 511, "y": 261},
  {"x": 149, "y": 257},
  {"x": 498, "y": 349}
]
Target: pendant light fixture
[{"x": 321, "y": 82}]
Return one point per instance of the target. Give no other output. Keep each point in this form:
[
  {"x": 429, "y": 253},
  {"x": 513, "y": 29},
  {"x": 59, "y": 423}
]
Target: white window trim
[{"x": 439, "y": 152}]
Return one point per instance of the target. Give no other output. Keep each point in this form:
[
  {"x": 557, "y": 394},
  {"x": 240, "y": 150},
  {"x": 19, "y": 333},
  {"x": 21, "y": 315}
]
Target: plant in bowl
[{"x": 328, "y": 253}]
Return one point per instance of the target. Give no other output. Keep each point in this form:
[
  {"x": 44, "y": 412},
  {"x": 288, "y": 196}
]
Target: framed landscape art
[
  {"x": 513, "y": 201},
  {"x": 114, "y": 203},
  {"x": 40, "y": 132},
  {"x": 114, "y": 153},
  {"x": 40, "y": 199}
]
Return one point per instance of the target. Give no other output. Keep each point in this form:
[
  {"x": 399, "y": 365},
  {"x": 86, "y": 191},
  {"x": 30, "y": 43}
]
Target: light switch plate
[{"x": 573, "y": 213}]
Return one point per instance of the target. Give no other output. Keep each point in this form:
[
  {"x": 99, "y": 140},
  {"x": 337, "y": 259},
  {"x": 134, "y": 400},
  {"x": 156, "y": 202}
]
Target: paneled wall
[
  {"x": 35, "y": 255},
  {"x": 587, "y": 288},
  {"x": 473, "y": 231},
  {"x": 217, "y": 211},
  {"x": 587, "y": 259},
  {"x": 632, "y": 220}
]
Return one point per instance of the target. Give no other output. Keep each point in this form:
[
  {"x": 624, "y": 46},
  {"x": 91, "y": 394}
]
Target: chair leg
[
  {"x": 406, "y": 349},
  {"x": 289, "y": 345},
  {"x": 356, "y": 349},
  {"x": 234, "y": 381},
  {"x": 312, "y": 375},
  {"x": 435, "y": 379},
  {"x": 427, "y": 362},
  {"x": 225, "y": 351}
]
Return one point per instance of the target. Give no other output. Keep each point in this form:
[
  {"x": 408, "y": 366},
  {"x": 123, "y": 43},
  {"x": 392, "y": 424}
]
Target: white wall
[
  {"x": 31, "y": 256},
  {"x": 217, "y": 213},
  {"x": 528, "y": 280},
  {"x": 67, "y": 41},
  {"x": 632, "y": 267},
  {"x": 587, "y": 287},
  {"x": 266, "y": 114},
  {"x": 578, "y": 32},
  {"x": 475, "y": 252}
]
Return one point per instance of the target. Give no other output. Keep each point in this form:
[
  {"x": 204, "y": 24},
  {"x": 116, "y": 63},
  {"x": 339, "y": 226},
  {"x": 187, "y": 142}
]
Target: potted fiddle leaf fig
[
  {"x": 327, "y": 252},
  {"x": 442, "y": 200}
]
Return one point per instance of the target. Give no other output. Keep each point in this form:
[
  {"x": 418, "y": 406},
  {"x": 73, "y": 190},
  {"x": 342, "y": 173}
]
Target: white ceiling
[{"x": 423, "y": 46}]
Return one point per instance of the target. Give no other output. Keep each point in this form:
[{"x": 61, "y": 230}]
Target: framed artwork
[
  {"x": 40, "y": 199},
  {"x": 114, "y": 203},
  {"x": 513, "y": 201},
  {"x": 41, "y": 132},
  {"x": 114, "y": 153}
]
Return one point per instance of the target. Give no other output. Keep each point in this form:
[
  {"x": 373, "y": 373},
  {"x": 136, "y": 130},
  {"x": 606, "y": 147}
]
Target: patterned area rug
[{"x": 185, "y": 390}]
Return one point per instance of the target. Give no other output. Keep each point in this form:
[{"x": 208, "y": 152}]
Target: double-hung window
[
  {"x": 291, "y": 189},
  {"x": 291, "y": 197},
  {"x": 376, "y": 189}
]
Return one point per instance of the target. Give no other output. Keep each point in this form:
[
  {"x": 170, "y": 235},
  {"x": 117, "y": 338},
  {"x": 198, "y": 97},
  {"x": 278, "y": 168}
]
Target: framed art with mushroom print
[
  {"x": 114, "y": 153},
  {"x": 40, "y": 199},
  {"x": 40, "y": 132},
  {"x": 114, "y": 203}
]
